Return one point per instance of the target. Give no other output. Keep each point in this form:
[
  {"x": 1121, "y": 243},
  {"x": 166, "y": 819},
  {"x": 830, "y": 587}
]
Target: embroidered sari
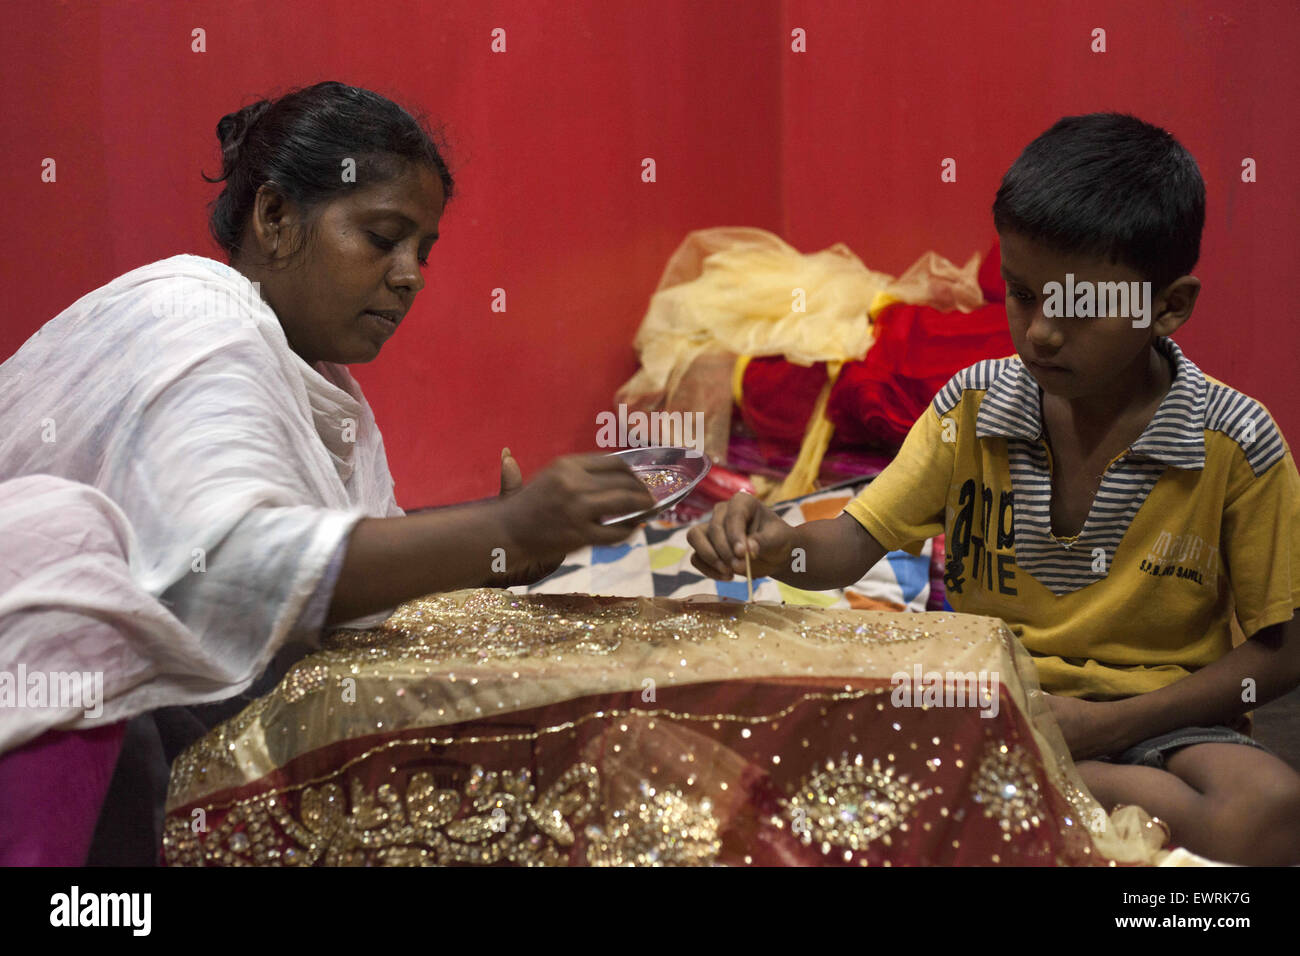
[{"x": 483, "y": 727}]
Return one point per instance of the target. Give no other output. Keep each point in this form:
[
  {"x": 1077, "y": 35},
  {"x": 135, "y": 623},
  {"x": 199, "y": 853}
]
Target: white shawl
[{"x": 237, "y": 468}]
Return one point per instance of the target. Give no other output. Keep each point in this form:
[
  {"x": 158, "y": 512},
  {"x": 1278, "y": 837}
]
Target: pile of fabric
[{"x": 827, "y": 362}]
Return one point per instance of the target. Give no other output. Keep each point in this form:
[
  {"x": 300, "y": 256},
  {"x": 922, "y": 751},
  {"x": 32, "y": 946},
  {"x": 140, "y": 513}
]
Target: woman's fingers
[
  {"x": 600, "y": 472},
  {"x": 598, "y": 505},
  {"x": 611, "y": 533},
  {"x": 597, "y": 462},
  {"x": 512, "y": 479}
]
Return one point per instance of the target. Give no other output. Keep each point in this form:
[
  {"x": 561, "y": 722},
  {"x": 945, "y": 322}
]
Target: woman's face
[{"x": 342, "y": 296}]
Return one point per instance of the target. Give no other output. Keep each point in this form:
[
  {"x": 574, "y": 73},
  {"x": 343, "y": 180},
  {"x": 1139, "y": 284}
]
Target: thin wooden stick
[{"x": 749, "y": 576}]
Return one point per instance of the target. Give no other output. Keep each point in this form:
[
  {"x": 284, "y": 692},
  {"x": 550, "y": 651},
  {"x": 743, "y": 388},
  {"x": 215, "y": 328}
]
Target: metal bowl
[{"x": 669, "y": 472}]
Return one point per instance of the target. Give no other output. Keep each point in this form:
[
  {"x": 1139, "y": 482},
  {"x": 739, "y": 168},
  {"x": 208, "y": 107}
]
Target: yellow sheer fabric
[
  {"x": 740, "y": 291},
  {"x": 736, "y": 292},
  {"x": 934, "y": 281},
  {"x": 483, "y": 727}
]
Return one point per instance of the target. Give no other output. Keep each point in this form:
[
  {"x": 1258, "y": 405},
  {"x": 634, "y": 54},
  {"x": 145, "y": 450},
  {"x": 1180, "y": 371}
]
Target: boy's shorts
[{"x": 1152, "y": 752}]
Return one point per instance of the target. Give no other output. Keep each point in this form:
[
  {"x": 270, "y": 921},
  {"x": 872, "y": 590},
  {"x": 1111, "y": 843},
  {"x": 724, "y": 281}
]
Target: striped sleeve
[{"x": 1260, "y": 533}]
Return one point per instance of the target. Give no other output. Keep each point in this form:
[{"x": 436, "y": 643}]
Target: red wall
[
  {"x": 841, "y": 143},
  {"x": 879, "y": 101}
]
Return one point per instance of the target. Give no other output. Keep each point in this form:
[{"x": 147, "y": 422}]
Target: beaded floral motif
[
  {"x": 1006, "y": 786},
  {"x": 495, "y": 817},
  {"x": 850, "y": 804},
  {"x": 661, "y": 827}
]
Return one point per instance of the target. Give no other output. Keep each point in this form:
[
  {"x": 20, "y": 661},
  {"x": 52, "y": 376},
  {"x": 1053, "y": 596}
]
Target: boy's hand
[
  {"x": 1085, "y": 724},
  {"x": 743, "y": 523}
]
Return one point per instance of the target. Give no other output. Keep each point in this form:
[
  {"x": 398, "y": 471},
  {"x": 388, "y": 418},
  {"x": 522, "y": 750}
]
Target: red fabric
[
  {"x": 949, "y": 827},
  {"x": 778, "y": 398},
  {"x": 990, "y": 275},
  {"x": 917, "y": 350},
  {"x": 875, "y": 401},
  {"x": 51, "y": 792}
]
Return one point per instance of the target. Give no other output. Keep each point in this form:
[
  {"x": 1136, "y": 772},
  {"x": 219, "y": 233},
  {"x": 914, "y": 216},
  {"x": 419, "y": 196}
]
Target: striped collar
[{"x": 1175, "y": 435}]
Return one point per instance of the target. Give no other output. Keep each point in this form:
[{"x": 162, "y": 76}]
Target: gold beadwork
[{"x": 850, "y": 804}]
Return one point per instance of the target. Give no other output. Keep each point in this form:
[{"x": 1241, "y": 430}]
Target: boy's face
[{"x": 1071, "y": 356}]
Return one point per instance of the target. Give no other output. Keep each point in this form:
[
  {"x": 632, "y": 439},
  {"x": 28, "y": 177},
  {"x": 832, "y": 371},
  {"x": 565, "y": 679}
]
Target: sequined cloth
[{"x": 481, "y": 727}]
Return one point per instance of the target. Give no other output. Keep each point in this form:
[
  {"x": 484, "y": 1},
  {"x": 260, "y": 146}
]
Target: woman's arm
[{"x": 391, "y": 560}]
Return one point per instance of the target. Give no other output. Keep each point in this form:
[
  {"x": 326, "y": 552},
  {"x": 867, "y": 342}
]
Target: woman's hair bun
[
  {"x": 298, "y": 147},
  {"x": 233, "y": 127}
]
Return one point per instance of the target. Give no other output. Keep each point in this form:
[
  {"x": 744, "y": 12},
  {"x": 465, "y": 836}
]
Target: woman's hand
[
  {"x": 561, "y": 510},
  {"x": 742, "y": 524},
  {"x": 531, "y": 571},
  {"x": 1086, "y": 725}
]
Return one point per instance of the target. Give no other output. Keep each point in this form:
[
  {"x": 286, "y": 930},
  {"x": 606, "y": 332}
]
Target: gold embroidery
[
  {"x": 191, "y": 768},
  {"x": 849, "y": 805},
  {"x": 1006, "y": 786},
  {"x": 661, "y": 827},
  {"x": 501, "y": 640},
  {"x": 496, "y": 817},
  {"x": 497, "y": 625}
]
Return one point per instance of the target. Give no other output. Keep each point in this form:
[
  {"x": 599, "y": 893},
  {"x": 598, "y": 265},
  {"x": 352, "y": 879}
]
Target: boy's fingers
[
  {"x": 705, "y": 557},
  {"x": 739, "y": 517},
  {"x": 707, "y": 569},
  {"x": 717, "y": 533},
  {"x": 767, "y": 536}
]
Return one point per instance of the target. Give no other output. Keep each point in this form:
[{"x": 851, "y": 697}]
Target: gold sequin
[
  {"x": 850, "y": 804},
  {"x": 656, "y": 828},
  {"x": 1006, "y": 786}
]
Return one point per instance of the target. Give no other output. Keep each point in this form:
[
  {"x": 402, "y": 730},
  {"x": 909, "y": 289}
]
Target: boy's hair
[{"x": 1111, "y": 186}]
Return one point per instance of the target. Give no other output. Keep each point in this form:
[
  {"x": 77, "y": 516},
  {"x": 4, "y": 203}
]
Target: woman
[{"x": 212, "y": 405}]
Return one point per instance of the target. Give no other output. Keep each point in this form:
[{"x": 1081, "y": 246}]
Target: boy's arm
[
  {"x": 900, "y": 508},
  {"x": 837, "y": 552},
  {"x": 1268, "y": 664}
]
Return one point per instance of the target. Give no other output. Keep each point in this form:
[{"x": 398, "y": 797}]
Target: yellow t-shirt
[{"x": 1198, "y": 518}]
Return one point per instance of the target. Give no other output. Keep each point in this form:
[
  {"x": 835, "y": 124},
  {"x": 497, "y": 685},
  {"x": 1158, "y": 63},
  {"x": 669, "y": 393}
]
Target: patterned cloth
[{"x": 656, "y": 562}]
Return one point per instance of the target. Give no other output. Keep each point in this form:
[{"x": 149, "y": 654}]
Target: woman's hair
[
  {"x": 1108, "y": 184},
  {"x": 300, "y": 143}
]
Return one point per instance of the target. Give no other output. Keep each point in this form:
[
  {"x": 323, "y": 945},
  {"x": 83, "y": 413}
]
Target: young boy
[{"x": 1112, "y": 503}]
